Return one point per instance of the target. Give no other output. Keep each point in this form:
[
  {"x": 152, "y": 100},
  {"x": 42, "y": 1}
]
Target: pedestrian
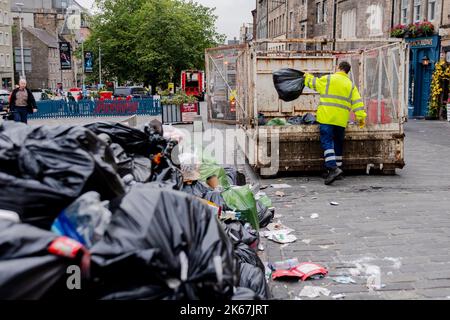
[
  {"x": 338, "y": 96},
  {"x": 22, "y": 102}
]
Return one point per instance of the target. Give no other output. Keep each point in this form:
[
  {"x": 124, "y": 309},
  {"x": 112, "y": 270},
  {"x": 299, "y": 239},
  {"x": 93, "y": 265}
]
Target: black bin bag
[
  {"x": 43, "y": 169},
  {"x": 133, "y": 141},
  {"x": 289, "y": 83},
  {"x": 29, "y": 270},
  {"x": 163, "y": 244},
  {"x": 253, "y": 278}
]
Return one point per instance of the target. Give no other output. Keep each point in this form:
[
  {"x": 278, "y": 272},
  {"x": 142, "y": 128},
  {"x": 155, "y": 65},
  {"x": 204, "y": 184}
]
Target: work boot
[
  {"x": 327, "y": 173},
  {"x": 333, "y": 175}
]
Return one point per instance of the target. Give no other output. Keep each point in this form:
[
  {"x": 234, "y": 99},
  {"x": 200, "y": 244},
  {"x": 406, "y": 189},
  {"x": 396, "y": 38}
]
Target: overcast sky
[{"x": 232, "y": 13}]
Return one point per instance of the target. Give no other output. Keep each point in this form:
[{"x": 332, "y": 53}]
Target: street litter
[
  {"x": 338, "y": 296},
  {"x": 275, "y": 226},
  {"x": 277, "y": 216},
  {"x": 282, "y": 238},
  {"x": 314, "y": 198},
  {"x": 303, "y": 271},
  {"x": 314, "y": 292},
  {"x": 314, "y": 216},
  {"x": 343, "y": 279},
  {"x": 280, "y": 186},
  {"x": 284, "y": 246},
  {"x": 333, "y": 203},
  {"x": 307, "y": 241},
  {"x": 286, "y": 264},
  {"x": 324, "y": 247},
  {"x": 280, "y": 193}
]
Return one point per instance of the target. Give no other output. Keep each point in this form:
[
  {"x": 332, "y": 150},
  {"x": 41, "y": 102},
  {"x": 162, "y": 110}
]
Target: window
[
  {"x": 8, "y": 60},
  {"x": 1, "y": 17},
  {"x": 26, "y": 58},
  {"x": 324, "y": 11},
  {"x": 6, "y": 22},
  {"x": 7, "y": 39},
  {"x": 375, "y": 21},
  {"x": 2, "y": 60},
  {"x": 303, "y": 30},
  {"x": 404, "y": 12},
  {"x": 283, "y": 23},
  {"x": 291, "y": 20},
  {"x": 431, "y": 10},
  {"x": 1, "y": 38},
  {"x": 417, "y": 10},
  {"x": 348, "y": 24},
  {"x": 318, "y": 11}
]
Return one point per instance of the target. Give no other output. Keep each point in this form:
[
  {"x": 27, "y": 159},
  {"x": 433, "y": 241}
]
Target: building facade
[
  {"x": 41, "y": 58},
  {"x": 52, "y": 17},
  {"x": 6, "y": 48}
]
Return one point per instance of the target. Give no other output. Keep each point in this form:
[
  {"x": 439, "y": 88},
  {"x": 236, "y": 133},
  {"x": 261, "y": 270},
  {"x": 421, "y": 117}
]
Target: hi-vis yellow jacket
[{"x": 338, "y": 96}]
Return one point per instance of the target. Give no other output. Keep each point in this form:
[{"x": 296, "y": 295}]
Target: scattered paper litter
[
  {"x": 334, "y": 203},
  {"x": 314, "y": 292},
  {"x": 277, "y": 216},
  {"x": 280, "y": 185},
  {"x": 307, "y": 241},
  {"x": 282, "y": 238},
  {"x": 324, "y": 247},
  {"x": 314, "y": 216},
  {"x": 344, "y": 280},
  {"x": 314, "y": 198},
  {"x": 279, "y": 193},
  {"x": 338, "y": 296}
]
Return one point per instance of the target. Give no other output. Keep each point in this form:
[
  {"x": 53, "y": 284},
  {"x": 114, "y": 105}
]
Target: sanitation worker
[{"x": 338, "y": 96}]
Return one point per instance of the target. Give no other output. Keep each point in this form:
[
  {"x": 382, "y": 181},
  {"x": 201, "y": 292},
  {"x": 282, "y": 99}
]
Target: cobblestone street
[{"x": 400, "y": 223}]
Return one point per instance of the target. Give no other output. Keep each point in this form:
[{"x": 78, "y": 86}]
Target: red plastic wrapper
[{"x": 303, "y": 271}]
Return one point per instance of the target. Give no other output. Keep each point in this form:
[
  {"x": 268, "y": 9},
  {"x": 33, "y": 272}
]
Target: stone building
[
  {"x": 52, "y": 17},
  {"x": 6, "y": 51},
  {"x": 41, "y": 54}
]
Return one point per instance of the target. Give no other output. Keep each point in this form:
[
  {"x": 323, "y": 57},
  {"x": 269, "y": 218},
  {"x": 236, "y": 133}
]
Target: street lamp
[{"x": 19, "y": 6}]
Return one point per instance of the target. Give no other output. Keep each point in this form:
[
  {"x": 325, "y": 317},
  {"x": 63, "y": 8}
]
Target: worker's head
[
  {"x": 22, "y": 83},
  {"x": 344, "y": 66}
]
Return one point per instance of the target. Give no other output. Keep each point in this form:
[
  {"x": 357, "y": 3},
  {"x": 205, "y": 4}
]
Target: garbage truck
[{"x": 379, "y": 72}]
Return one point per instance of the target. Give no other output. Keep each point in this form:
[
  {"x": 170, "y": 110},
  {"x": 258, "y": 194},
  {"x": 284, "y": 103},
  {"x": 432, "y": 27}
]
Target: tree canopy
[{"x": 151, "y": 41}]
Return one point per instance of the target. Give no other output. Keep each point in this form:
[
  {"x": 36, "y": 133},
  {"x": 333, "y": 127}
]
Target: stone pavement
[{"x": 399, "y": 223}]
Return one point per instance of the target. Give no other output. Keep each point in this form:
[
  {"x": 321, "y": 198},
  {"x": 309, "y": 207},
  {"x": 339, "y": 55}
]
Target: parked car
[
  {"x": 4, "y": 100},
  {"x": 41, "y": 94},
  {"x": 130, "y": 92}
]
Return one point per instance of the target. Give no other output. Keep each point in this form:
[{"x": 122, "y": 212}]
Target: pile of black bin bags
[{"x": 160, "y": 243}]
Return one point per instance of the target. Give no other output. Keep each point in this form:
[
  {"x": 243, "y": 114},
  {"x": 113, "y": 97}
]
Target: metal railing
[{"x": 88, "y": 108}]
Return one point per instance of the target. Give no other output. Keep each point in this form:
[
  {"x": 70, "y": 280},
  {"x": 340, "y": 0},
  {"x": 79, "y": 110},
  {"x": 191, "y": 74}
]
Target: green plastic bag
[
  {"x": 278, "y": 122},
  {"x": 241, "y": 199},
  {"x": 265, "y": 200},
  {"x": 209, "y": 168}
]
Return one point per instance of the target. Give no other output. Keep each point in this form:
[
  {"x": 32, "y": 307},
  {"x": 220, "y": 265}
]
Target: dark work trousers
[
  {"x": 332, "y": 142},
  {"x": 20, "y": 114}
]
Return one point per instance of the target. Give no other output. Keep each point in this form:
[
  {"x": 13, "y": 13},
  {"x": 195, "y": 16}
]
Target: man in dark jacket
[{"x": 22, "y": 102}]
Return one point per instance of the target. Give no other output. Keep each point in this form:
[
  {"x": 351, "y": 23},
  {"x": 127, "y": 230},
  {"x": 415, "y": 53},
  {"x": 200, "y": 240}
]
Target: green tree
[{"x": 151, "y": 41}]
